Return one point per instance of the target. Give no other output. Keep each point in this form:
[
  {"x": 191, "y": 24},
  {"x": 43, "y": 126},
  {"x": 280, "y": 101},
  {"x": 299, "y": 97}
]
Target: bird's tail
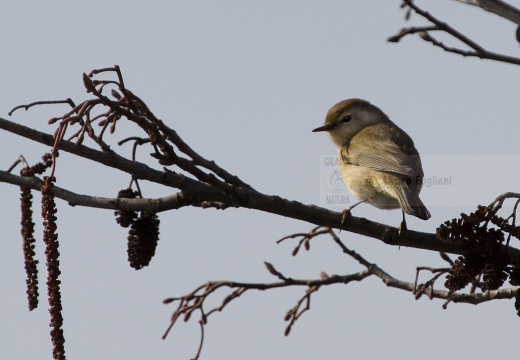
[{"x": 412, "y": 204}]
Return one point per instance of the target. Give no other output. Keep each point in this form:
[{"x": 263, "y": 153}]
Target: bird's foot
[
  {"x": 402, "y": 228},
  {"x": 345, "y": 214}
]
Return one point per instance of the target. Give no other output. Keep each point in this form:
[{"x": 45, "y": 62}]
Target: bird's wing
[{"x": 395, "y": 155}]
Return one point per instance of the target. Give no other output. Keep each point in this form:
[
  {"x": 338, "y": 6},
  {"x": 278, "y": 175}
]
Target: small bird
[{"x": 378, "y": 161}]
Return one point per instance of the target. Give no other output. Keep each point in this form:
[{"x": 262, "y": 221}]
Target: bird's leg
[
  {"x": 402, "y": 227},
  {"x": 345, "y": 214}
]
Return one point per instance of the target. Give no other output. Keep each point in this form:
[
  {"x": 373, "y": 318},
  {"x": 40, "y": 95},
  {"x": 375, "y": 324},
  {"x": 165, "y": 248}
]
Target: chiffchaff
[{"x": 378, "y": 161}]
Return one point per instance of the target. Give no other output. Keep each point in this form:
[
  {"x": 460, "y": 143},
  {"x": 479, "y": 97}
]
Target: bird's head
[{"x": 348, "y": 117}]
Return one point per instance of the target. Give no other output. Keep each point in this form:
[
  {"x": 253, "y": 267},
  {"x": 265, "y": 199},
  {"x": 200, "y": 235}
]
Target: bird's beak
[{"x": 326, "y": 127}]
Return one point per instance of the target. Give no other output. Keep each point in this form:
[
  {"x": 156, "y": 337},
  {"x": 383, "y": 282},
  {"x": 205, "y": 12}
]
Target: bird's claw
[
  {"x": 345, "y": 214},
  {"x": 402, "y": 228}
]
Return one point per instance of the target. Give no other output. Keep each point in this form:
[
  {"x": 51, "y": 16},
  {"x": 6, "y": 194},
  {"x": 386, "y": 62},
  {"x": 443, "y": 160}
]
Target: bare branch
[
  {"x": 411, "y": 31},
  {"x": 216, "y": 188},
  {"x": 20, "y": 160},
  {"x": 294, "y": 314},
  {"x": 44, "y": 102},
  {"x": 424, "y": 32},
  {"x": 499, "y": 201},
  {"x": 305, "y": 238},
  {"x": 175, "y": 201},
  {"x": 111, "y": 159},
  {"x": 196, "y": 192},
  {"x": 274, "y": 272},
  {"x": 207, "y": 185},
  {"x": 195, "y": 300},
  {"x": 427, "y": 287},
  {"x": 497, "y": 7},
  {"x": 482, "y": 54}
]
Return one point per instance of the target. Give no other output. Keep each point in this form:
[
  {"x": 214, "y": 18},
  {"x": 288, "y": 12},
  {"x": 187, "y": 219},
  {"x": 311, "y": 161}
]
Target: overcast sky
[{"x": 244, "y": 84}]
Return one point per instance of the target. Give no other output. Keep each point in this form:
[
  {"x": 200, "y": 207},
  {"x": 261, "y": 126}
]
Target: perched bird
[{"x": 378, "y": 161}]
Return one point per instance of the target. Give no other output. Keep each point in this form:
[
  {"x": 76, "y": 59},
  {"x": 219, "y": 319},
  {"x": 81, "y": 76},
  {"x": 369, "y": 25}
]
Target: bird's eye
[{"x": 347, "y": 118}]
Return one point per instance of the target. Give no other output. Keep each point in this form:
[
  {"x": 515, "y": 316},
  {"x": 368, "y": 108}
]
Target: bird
[{"x": 378, "y": 161}]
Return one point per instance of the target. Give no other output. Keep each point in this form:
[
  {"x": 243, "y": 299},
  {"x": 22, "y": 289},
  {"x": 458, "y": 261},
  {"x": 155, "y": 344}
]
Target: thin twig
[
  {"x": 424, "y": 32},
  {"x": 196, "y": 300},
  {"x": 20, "y": 159},
  {"x": 411, "y": 31},
  {"x": 44, "y": 102}
]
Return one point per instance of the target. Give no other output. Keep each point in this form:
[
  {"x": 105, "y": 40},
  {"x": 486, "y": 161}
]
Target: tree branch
[
  {"x": 497, "y": 7},
  {"x": 195, "y": 300},
  {"x": 208, "y": 185},
  {"x": 170, "y": 202},
  {"x": 424, "y": 32},
  {"x": 196, "y": 192}
]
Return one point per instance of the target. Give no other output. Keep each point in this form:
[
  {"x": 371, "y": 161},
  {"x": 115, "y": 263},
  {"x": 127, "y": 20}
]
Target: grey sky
[{"x": 244, "y": 84}]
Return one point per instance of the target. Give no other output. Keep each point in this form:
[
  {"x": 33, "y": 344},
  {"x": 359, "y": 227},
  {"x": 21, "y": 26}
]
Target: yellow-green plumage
[{"x": 378, "y": 161}]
